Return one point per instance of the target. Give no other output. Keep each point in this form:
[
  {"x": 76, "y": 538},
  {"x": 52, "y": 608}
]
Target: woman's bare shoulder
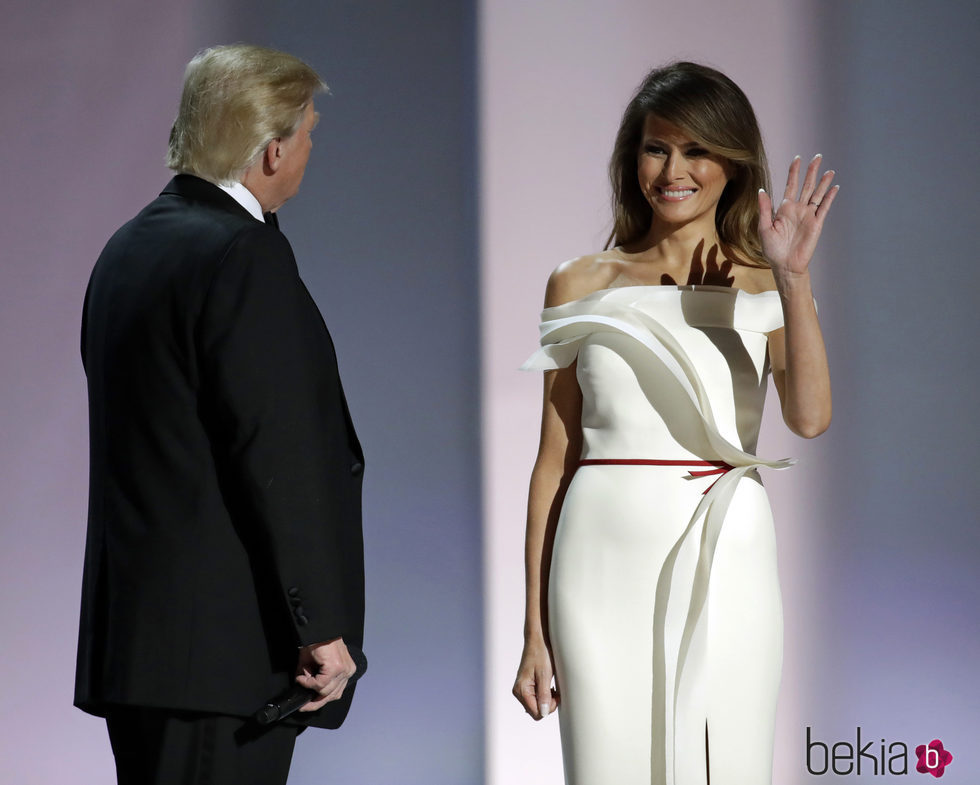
[
  {"x": 753, "y": 279},
  {"x": 578, "y": 277}
]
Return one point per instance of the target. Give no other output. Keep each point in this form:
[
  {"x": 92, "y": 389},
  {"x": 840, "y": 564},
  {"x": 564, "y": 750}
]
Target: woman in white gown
[{"x": 652, "y": 593}]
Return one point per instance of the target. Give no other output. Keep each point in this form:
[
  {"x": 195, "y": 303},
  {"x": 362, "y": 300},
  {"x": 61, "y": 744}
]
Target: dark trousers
[{"x": 161, "y": 747}]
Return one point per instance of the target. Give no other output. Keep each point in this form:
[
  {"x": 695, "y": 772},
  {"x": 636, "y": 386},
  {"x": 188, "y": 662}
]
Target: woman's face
[{"x": 680, "y": 179}]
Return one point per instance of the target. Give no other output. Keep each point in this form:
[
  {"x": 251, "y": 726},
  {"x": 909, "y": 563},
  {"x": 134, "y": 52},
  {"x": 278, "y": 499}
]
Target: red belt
[{"x": 720, "y": 467}]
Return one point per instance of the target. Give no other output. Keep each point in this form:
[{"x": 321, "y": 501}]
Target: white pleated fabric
[{"x": 664, "y": 606}]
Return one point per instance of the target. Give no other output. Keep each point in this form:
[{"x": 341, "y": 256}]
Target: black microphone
[{"x": 297, "y": 696}]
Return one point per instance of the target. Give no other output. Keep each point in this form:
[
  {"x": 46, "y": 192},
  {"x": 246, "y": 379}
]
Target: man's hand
[{"x": 325, "y": 669}]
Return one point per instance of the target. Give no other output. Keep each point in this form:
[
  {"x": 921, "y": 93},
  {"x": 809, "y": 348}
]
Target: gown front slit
[{"x": 665, "y": 616}]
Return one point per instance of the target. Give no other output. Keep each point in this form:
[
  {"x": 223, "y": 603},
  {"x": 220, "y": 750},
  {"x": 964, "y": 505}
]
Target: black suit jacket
[{"x": 224, "y": 525}]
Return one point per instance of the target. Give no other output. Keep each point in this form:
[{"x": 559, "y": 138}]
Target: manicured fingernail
[
  {"x": 796, "y": 158},
  {"x": 818, "y": 155},
  {"x": 762, "y": 190},
  {"x": 545, "y": 709}
]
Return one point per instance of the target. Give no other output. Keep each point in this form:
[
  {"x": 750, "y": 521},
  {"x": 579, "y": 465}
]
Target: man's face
[{"x": 295, "y": 152}]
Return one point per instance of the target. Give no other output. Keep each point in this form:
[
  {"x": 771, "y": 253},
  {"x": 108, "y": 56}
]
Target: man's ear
[{"x": 272, "y": 156}]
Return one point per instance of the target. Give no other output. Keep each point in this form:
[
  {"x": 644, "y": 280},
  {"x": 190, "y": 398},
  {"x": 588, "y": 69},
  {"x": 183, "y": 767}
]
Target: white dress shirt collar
[{"x": 245, "y": 198}]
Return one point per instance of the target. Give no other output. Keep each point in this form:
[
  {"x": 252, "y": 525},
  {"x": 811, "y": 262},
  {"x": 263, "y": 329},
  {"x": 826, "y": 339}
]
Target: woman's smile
[{"x": 675, "y": 194}]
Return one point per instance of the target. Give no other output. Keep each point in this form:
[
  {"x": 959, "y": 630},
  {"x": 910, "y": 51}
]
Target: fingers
[
  {"x": 765, "y": 205},
  {"x": 544, "y": 701},
  {"x": 315, "y": 705},
  {"x": 526, "y": 694},
  {"x": 826, "y": 201},
  {"x": 813, "y": 191},
  {"x": 792, "y": 180},
  {"x": 323, "y": 681},
  {"x": 324, "y": 668},
  {"x": 765, "y": 211},
  {"x": 824, "y": 195},
  {"x": 525, "y": 690},
  {"x": 822, "y": 187},
  {"x": 534, "y": 693},
  {"x": 329, "y": 691},
  {"x": 810, "y": 180}
]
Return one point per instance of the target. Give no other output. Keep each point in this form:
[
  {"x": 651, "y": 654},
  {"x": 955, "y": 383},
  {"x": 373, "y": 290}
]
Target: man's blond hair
[{"x": 237, "y": 99}]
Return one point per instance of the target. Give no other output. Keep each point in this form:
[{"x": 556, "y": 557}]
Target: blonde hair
[
  {"x": 237, "y": 99},
  {"x": 713, "y": 111}
]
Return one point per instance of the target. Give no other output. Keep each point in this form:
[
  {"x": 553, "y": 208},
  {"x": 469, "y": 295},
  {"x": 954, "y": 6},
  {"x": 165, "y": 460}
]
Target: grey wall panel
[{"x": 902, "y": 542}]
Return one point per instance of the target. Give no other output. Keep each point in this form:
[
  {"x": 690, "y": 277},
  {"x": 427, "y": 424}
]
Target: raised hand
[{"x": 789, "y": 237}]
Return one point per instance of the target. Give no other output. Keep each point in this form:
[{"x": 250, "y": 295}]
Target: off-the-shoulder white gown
[{"x": 664, "y": 603}]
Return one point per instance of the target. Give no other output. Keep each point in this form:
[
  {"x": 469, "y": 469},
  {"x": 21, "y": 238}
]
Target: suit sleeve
[{"x": 271, "y": 391}]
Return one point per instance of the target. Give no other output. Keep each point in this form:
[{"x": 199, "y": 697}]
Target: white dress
[{"x": 664, "y": 606}]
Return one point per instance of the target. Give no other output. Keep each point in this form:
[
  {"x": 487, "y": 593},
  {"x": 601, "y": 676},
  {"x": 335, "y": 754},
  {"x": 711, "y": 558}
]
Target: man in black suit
[{"x": 224, "y": 555}]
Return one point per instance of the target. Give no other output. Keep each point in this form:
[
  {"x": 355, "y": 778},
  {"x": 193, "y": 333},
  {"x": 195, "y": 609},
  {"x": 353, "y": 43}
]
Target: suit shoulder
[
  {"x": 259, "y": 260},
  {"x": 173, "y": 224},
  {"x": 260, "y": 246}
]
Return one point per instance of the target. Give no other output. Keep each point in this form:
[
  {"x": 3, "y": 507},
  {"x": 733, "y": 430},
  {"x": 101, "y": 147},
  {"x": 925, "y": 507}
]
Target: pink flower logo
[{"x": 933, "y": 759}]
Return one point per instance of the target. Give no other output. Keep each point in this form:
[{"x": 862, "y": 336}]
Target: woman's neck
[{"x": 673, "y": 246}]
